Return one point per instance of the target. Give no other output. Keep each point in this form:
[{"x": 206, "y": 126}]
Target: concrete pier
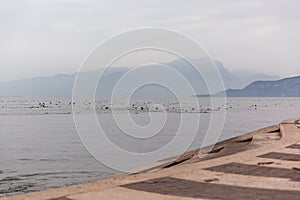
[{"x": 264, "y": 164}]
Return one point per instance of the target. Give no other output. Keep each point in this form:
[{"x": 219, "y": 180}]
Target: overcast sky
[{"x": 41, "y": 38}]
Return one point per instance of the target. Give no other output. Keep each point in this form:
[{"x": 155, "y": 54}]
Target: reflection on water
[{"x": 39, "y": 146}]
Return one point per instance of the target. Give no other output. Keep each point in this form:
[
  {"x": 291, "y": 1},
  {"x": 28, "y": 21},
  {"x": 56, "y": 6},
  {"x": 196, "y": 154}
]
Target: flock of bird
[{"x": 134, "y": 106}]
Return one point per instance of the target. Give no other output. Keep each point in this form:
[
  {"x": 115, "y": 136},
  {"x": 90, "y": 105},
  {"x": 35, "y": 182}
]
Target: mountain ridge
[
  {"x": 61, "y": 85},
  {"x": 286, "y": 87}
]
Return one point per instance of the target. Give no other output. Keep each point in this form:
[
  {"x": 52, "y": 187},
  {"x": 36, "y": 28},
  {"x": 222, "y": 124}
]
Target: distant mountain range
[
  {"x": 62, "y": 85},
  {"x": 287, "y": 87}
]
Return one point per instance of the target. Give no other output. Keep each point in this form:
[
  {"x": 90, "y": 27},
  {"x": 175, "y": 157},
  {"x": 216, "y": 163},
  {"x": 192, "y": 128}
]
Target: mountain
[
  {"x": 56, "y": 86},
  {"x": 247, "y": 77},
  {"x": 62, "y": 85},
  {"x": 287, "y": 87},
  {"x": 231, "y": 80}
]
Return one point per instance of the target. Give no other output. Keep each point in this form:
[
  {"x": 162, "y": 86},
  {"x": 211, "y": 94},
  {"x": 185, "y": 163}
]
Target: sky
[{"x": 48, "y": 37}]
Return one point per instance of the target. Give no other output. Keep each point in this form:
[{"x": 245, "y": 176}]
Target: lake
[{"x": 40, "y": 147}]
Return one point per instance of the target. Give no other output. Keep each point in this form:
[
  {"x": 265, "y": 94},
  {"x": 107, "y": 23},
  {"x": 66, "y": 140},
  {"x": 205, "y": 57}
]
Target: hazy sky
[{"x": 48, "y": 37}]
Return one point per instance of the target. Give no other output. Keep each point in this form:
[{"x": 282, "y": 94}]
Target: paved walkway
[{"x": 264, "y": 164}]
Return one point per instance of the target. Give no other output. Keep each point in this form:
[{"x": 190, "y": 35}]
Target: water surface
[{"x": 40, "y": 148}]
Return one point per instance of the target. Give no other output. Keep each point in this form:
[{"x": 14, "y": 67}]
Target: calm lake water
[{"x": 40, "y": 148}]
